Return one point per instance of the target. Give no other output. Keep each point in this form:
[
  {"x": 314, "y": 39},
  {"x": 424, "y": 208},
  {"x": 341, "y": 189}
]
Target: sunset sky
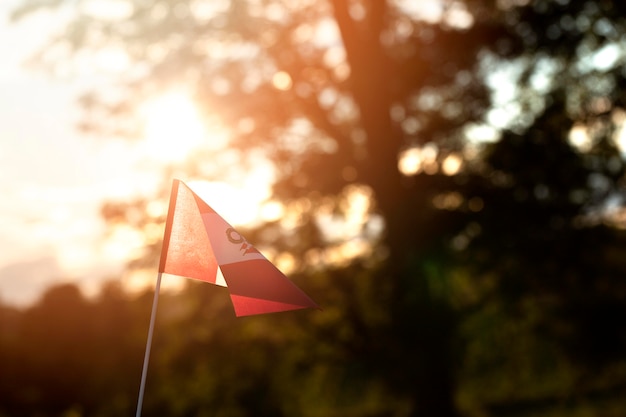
[{"x": 53, "y": 180}]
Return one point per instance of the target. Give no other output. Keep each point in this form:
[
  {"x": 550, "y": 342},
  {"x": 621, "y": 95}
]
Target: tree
[
  {"x": 338, "y": 93},
  {"x": 55, "y": 353}
]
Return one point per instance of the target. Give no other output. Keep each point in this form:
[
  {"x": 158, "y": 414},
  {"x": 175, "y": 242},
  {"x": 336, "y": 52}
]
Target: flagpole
[{"x": 146, "y": 357}]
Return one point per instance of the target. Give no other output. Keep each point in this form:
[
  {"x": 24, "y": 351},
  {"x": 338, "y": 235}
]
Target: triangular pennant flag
[{"x": 200, "y": 244}]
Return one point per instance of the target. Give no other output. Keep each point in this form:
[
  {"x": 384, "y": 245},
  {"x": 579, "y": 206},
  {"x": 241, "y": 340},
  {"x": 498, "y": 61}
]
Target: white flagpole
[{"x": 146, "y": 357}]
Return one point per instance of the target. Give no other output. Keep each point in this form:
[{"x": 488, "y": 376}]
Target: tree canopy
[{"x": 485, "y": 141}]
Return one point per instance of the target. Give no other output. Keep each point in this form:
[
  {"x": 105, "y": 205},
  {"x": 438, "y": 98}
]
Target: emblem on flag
[{"x": 234, "y": 237}]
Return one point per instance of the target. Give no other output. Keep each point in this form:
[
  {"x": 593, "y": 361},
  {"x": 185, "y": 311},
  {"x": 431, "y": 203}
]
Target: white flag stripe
[
  {"x": 219, "y": 279},
  {"x": 228, "y": 245}
]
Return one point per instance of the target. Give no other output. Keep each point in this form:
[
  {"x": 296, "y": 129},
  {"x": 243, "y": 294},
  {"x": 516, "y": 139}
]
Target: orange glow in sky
[{"x": 54, "y": 181}]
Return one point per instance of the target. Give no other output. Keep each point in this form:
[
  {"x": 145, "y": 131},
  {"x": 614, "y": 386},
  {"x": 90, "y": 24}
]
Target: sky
[{"x": 52, "y": 179}]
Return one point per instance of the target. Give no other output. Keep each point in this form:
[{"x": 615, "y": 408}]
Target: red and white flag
[{"x": 200, "y": 244}]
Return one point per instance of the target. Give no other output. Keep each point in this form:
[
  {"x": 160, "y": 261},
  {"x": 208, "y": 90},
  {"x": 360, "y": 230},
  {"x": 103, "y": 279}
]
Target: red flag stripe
[
  {"x": 186, "y": 249},
  {"x": 259, "y": 278},
  {"x": 247, "y": 306}
]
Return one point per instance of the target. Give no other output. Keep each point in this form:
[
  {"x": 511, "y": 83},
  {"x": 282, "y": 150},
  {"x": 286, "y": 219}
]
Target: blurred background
[{"x": 444, "y": 177}]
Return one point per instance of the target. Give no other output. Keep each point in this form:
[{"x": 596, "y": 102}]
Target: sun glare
[
  {"x": 239, "y": 205},
  {"x": 173, "y": 127}
]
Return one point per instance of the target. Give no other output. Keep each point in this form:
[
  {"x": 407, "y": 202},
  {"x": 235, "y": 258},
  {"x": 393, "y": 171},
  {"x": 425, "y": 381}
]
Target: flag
[{"x": 198, "y": 243}]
